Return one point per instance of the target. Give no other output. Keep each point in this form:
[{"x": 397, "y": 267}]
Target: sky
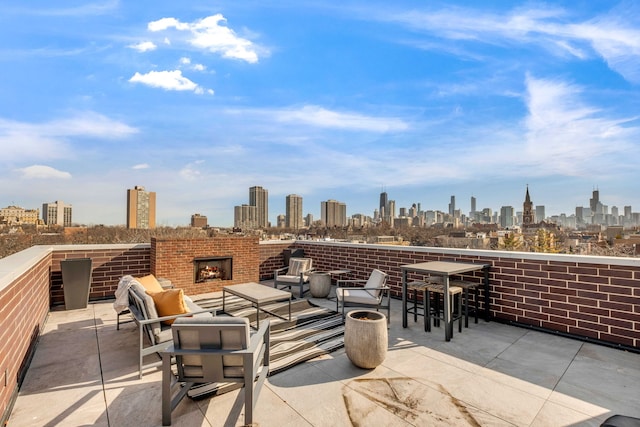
[{"x": 199, "y": 101}]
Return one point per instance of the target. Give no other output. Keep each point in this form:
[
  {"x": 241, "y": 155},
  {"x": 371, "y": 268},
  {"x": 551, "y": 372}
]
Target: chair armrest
[
  {"x": 280, "y": 271},
  {"x": 352, "y": 281},
  {"x": 175, "y": 316},
  {"x": 263, "y": 332},
  {"x": 383, "y": 288}
]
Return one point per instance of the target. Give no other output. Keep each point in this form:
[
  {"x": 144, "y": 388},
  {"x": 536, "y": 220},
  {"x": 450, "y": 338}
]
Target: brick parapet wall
[
  {"x": 108, "y": 263},
  {"x": 24, "y": 305},
  {"x": 587, "y": 297},
  {"x": 173, "y": 259}
]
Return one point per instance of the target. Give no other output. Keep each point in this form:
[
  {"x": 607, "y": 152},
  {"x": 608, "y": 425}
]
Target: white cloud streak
[
  {"x": 612, "y": 37},
  {"x": 43, "y": 172},
  {"x": 51, "y": 140},
  {"x": 320, "y": 117}
]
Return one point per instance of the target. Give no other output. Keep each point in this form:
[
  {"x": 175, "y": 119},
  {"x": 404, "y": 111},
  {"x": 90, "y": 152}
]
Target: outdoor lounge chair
[
  {"x": 372, "y": 294},
  {"x": 295, "y": 274},
  {"x": 215, "y": 350}
]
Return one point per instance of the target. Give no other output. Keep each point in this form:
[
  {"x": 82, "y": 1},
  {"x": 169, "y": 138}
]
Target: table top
[
  {"x": 443, "y": 267},
  {"x": 257, "y": 293}
]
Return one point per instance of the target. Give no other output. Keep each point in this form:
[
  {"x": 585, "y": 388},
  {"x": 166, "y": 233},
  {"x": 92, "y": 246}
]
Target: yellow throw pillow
[
  {"x": 169, "y": 303},
  {"x": 150, "y": 283}
]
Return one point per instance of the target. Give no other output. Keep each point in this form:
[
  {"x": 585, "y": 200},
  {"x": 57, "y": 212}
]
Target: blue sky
[{"x": 198, "y": 101}]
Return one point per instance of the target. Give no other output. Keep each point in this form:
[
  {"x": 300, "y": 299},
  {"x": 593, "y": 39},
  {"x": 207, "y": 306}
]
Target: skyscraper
[
  {"x": 245, "y": 217},
  {"x": 333, "y": 213},
  {"x": 259, "y": 197},
  {"x": 452, "y": 206},
  {"x": 293, "y": 211},
  {"x": 57, "y": 213},
  {"x": 506, "y": 216},
  {"x": 540, "y": 213},
  {"x": 473, "y": 205},
  {"x": 384, "y": 206},
  {"x": 141, "y": 208}
]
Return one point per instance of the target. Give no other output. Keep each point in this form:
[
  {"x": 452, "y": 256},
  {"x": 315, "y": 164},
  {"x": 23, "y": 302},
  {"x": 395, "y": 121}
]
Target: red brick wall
[
  {"x": 108, "y": 264},
  {"x": 24, "y": 305},
  {"x": 173, "y": 259},
  {"x": 588, "y": 297}
]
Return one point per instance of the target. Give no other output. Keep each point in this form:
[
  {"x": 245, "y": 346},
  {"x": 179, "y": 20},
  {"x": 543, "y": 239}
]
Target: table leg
[
  {"x": 487, "y": 298},
  {"x": 289, "y": 309},
  {"x": 257, "y": 315},
  {"x": 404, "y": 298},
  {"x": 224, "y": 293},
  {"x": 448, "y": 326}
]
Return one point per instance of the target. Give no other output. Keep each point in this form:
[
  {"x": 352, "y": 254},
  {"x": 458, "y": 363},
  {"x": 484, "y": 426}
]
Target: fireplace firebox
[{"x": 212, "y": 268}]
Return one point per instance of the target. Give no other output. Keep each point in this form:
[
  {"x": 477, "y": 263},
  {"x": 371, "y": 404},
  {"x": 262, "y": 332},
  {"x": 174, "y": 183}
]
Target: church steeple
[{"x": 527, "y": 209}]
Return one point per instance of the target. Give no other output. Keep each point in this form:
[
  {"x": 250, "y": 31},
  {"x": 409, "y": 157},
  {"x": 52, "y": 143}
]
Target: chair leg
[
  {"x": 476, "y": 297},
  {"x": 415, "y": 305},
  {"x": 466, "y": 307},
  {"x": 166, "y": 390},
  {"x": 460, "y": 313},
  {"x": 427, "y": 314}
]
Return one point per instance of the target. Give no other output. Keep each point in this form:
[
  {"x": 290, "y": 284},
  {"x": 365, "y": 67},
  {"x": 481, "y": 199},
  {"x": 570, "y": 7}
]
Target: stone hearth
[{"x": 174, "y": 258}]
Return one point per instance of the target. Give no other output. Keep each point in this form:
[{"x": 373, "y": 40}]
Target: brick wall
[
  {"x": 24, "y": 305},
  {"x": 587, "y": 297},
  {"x": 173, "y": 259},
  {"x": 108, "y": 263}
]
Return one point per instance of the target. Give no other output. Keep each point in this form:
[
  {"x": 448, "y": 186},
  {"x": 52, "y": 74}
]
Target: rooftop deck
[{"x": 84, "y": 372}]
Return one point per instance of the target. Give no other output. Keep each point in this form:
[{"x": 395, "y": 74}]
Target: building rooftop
[{"x": 84, "y": 372}]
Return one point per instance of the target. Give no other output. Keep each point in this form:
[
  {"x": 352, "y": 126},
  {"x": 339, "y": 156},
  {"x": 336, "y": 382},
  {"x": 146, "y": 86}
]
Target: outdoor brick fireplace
[{"x": 207, "y": 264}]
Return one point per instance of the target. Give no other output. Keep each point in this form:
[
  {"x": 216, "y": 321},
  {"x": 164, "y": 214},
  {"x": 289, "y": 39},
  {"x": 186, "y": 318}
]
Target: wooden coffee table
[{"x": 257, "y": 294}]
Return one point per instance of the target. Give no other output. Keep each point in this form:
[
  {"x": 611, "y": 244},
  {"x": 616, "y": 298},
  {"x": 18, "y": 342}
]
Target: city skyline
[{"x": 200, "y": 102}]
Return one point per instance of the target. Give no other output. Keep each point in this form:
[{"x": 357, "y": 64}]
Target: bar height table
[{"x": 444, "y": 269}]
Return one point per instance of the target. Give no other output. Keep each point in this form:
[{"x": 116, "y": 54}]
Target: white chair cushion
[
  {"x": 376, "y": 280},
  {"x": 292, "y": 279},
  {"x": 297, "y": 266},
  {"x": 359, "y": 296}
]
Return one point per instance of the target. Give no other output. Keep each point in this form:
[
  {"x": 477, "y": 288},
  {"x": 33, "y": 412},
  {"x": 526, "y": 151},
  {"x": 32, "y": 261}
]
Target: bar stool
[
  {"x": 466, "y": 286},
  {"x": 438, "y": 290},
  {"x": 415, "y": 287}
]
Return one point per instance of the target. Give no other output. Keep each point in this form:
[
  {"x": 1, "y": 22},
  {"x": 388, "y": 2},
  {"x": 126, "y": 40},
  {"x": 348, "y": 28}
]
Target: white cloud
[
  {"x": 209, "y": 34},
  {"x": 566, "y": 136},
  {"x": 198, "y": 67},
  {"x": 89, "y": 124},
  {"x": 141, "y": 166},
  {"x": 143, "y": 46},
  {"x": 321, "y": 117},
  {"x": 43, "y": 172},
  {"x": 168, "y": 80}
]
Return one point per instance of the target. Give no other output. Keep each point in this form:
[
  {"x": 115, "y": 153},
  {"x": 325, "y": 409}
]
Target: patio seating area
[{"x": 85, "y": 372}]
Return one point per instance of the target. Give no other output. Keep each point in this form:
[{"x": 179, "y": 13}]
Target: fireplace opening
[{"x": 212, "y": 268}]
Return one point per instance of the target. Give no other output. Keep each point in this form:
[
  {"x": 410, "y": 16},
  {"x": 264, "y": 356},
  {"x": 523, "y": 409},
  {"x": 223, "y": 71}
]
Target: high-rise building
[
  {"x": 383, "y": 204},
  {"x": 333, "y": 213},
  {"x": 198, "y": 221},
  {"x": 390, "y": 216},
  {"x": 293, "y": 211},
  {"x": 506, "y": 217},
  {"x": 245, "y": 217},
  {"x": 259, "y": 197},
  {"x": 57, "y": 213},
  {"x": 141, "y": 208},
  {"x": 473, "y": 206},
  {"x": 540, "y": 213},
  {"x": 452, "y": 206}
]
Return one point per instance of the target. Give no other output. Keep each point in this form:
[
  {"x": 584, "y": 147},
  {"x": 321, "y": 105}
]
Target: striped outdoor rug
[{"x": 312, "y": 331}]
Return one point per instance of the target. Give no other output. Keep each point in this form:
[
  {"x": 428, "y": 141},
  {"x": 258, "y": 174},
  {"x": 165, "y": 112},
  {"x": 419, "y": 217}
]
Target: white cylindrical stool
[{"x": 319, "y": 284}]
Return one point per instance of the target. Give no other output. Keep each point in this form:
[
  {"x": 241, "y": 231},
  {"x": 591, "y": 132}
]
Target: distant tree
[{"x": 510, "y": 242}]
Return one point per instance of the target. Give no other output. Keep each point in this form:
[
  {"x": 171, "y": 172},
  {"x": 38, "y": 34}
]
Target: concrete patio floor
[{"x": 84, "y": 372}]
